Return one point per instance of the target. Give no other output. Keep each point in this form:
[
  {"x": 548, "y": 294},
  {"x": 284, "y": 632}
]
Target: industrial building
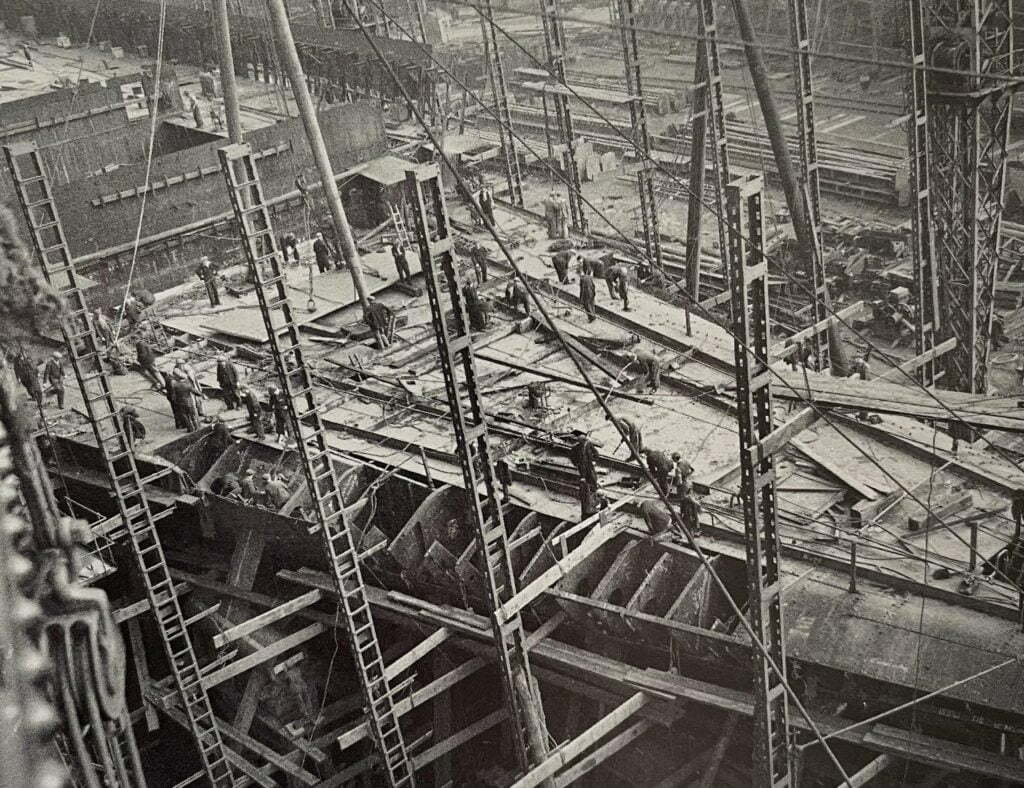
[{"x": 511, "y": 393}]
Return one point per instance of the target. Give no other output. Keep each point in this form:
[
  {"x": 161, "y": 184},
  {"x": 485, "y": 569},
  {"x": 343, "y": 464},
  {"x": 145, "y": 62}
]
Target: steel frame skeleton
[
  {"x": 929, "y": 317},
  {"x": 86, "y": 357},
  {"x": 265, "y": 266},
  {"x": 968, "y": 125},
  {"x": 641, "y": 136},
  {"x": 804, "y": 90},
  {"x": 748, "y": 284},
  {"x": 708, "y": 104},
  {"x": 554, "y": 43},
  {"x": 499, "y": 89},
  {"x": 469, "y": 423}
]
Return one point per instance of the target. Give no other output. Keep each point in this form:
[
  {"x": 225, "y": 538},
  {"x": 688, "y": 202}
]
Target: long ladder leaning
[
  {"x": 748, "y": 285},
  {"x": 399, "y": 222},
  {"x": 86, "y": 358},
  {"x": 499, "y": 89},
  {"x": 260, "y": 245},
  {"x": 454, "y": 345}
]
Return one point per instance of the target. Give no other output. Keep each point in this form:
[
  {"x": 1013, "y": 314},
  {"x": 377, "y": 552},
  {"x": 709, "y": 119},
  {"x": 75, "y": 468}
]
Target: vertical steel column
[
  {"x": 339, "y": 536},
  {"x": 469, "y": 423},
  {"x": 499, "y": 89},
  {"x": 804, "y": 93},
  {"x": 708, "y": 120},
  {"x": 641, "y": 136},
  {"x": 748, "y": 284},
  {"x": 86, "y": 355},
  {"x": 554, "y": 43},
  {"x": 929, "y": 318},
  {"x": 969, "y": 125}
]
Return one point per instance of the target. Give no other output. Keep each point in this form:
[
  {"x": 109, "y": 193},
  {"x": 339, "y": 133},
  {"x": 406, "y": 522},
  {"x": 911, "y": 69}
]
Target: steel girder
[{"x": 968, "y": 116}]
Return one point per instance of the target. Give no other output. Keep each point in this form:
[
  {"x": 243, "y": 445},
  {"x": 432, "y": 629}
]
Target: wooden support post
[
  {"x": 452, "y": 742},
  {"x": 707, "y": 780},
  {"x": 853, "y": 566},
  {"x": 265, "y": 752},
  {"x": 245, "y": 562},
  {"x": 567, "y": 753},
  {"x": 442, "y": 728},
  {"x": 263, "y": 655},
  {"x": 869, "y": 772},
  {"x": 246, "y": 711},
  {"x": 603, "y": 753},
  {"x": 972, "y": 559},
  {"x": 265, "y": 619},
  {"x": 423, "y": 648},
  {"x": 142, "y": 672}
]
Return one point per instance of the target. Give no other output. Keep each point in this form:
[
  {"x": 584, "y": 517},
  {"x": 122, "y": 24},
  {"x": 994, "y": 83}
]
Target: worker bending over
[
  {"x": 518, "y": 296},
  {"x": 617, "y": 277},
  {"x": 634, "y": 433},
  {"x": 650, "y": 366},
  {"x": 660, "y": 466}
]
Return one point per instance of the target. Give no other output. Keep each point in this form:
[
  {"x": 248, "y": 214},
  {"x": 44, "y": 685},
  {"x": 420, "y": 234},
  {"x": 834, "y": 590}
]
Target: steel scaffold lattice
[
  {"x": 469, "y": 423},
  {"x": 86, "y": 357},
  {"x": 266, "y": 268},
  {"x": 748, "y": 283},
  {"x": 499, "y": 89},
  {"x": 554, "y": 43},
  {"x": 968, "y": 125},
  {"x": 805, "y": 123},
  {"x": 641, "y": 136}
]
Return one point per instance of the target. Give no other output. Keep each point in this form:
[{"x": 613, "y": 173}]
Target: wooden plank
[
  {"x": 232, "y": 634},
  {"x": 142, "y": 671},
  {"x": 896, "y": 374},
  {"x": 869, "y": 772},
  {"x": 707, "y": 779},
  {"x": 835, "y": 469},
  {"x": 455, "y": 741},
  {"x": 271, "y": 756},
  {"x": 548, "y": 375},
  {"x": 602, "y": 753},
  {"x": 920, "y": 525},
  {"x": 246, "y": 711},
  {"x": 682, "y": 775},
  {"x": 789, "y": 345},
  {"x": 128, "y": 612},
  {"x": 362, "y": 729},
  {"x": 942, "y": 754},
  {"x": 410, "y": 658},
  {"x": 568, "y": 752},
  {"x": 263, "y": 655},
  {"x": 779, "y": 437},
  {"x": 591, "y": 542}
]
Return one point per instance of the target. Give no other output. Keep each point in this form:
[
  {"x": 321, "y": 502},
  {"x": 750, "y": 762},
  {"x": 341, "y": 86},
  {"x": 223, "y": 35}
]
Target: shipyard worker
[
  {"x": 279, "y": 406},
  {"x": 197, "y": 113},
  {"x": 588, "y": 295},
  {"x": 634, "y": 433},
  {"x": 518, "y": 296},
  {"x": 27, "y": 374},
  {"x": 132, "y": 312},
  {"x": 290, "y": 246},
  {"x": 681, "y": 473},
  {"x": 275, "y": 492},
  {"x": 114, "y": 360},
  {"x": 861, "y": 366},
  {"x": 617, "y": 277},
  {"x": 689, "y": 513},
  {"x": 134, "y": 429},
  {"x": 660, "y": 466},
  {"x": 650, "y": 366},
  {"x": 184, "y": 401},
  {"x": 227, "y": 379},
  {"x": 198, "y": 395},
  {"x": 398, "y": 254},
  {"x": 561, "y": 218},
  {"x": 255, "y": 409},
  {"x": 589, "y": 500},
  {"x": 1008, "y": 561},
  {"x": 228, "y": 486},
  {"x": 381, "y": 321},
  {"x": 583, "y": 454},
  {"x": 551, "y": 215},
  {"x": 504, "y": 476},
  {"x": 221, "y": 438},
  {"x": 322, "y": 253},
  {"x": 481, "y": 259},
  {"x": 655, "y": 517},
  {"x": 486, "y": 200},
  {"x": 146, "y": 357},
  {"x": 561, "y": 260},
  {"x": 53, "y": 374},
  {"x": 207, "y": 272},
  {"x": 215, "y": 117},
  {"x": 247, "y": 486},
  {"x": 168, "y": 380},
  {"x": 476, "y": 307},
  {"x": 104, "y": 328}
]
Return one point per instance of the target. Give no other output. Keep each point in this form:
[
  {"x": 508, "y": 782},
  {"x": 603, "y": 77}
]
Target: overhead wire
[
  {"x": 155, "y": 112},
  {"x": 759, "y": 644},
  {"x": 735, "y": 232}
]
